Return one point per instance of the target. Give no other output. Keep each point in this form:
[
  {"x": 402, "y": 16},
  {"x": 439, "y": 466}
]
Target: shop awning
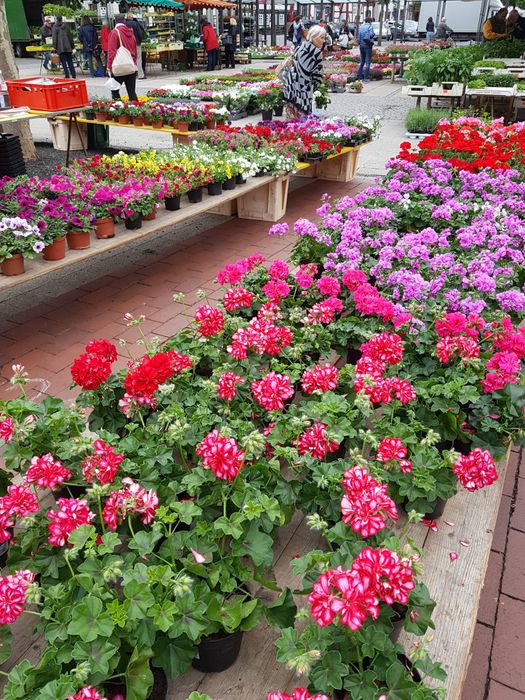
[
  {"x": 168, "y": 4},
  {"x": 209, "y": 4}
]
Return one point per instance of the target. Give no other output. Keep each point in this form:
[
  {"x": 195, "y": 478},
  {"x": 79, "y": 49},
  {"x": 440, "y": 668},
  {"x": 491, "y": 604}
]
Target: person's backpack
[
  {"x": 289, "y": 36},
  {"x": 123, "y": 63}
]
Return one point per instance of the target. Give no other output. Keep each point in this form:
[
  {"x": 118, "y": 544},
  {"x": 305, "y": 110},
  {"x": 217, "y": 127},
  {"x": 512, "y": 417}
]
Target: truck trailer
[{"x": 463, "y": 16}]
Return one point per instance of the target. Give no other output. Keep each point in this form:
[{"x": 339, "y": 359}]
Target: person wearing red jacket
[
  {"x": 211, "y": 44},
  {"x": 122, "y": 34}
]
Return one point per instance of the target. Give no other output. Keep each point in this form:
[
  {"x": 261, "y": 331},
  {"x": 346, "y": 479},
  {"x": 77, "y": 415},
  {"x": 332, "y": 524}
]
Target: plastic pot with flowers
[
  {"x": 19, "y": 240},
  {"x": 346, "y": 649}
]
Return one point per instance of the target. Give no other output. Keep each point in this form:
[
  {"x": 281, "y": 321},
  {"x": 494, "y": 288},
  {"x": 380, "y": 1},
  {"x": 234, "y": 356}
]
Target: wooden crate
[
  {"x": 341, "y": 168},
  {"x": 267, "y": 203}
]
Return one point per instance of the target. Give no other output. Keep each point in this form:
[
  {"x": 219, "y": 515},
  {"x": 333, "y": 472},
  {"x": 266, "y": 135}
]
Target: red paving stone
[{"x": 48, "y": 337}]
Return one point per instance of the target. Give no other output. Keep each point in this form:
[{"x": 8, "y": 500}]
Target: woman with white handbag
[{"x": 122, "y": 59}]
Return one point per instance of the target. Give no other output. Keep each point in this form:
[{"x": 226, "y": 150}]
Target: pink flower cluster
[
  {"x": 354, "y": 594},
  {"x": 506, "y": 363},
  {"x": 324, "y": 311},
  {"x": 392, "y": 450},
  {"x": 234, "y": 272},
  {"x": 87, "y": 693},
  {"x": 19, "y": 501},
  {"x": 279, "y": 270},
  {"x": 71, "y": 513},
  {"x": 476, "y": 470},
  {"x": 458, "y": 336},
  {"x": 365, "y": 503},
  {"x": 272, "y": 391},
  {"x": 227, "y": 385},
  {"x": 328, "y": 286},
  {"x": 222, "y": 455},
  {"x": 382, "y": 350},
  {"x": 304, "y": 277},
  {"x": 320, "y": 378},
  {"x": 369, "y": 302},
  {"x": 316, "y": 442},
  {"x": 13, "y": 589},
  {"x": 297, "y": 694},
  {"x": 132, "y": 498},
  {"x": 460, "y": 346},
  {"x": 209, "y": 320},
  {"x": 237, "y": 298},
  {"x": 46, "y": 472},
  {"x": 276, "y": 289},
  {"x": 353, "y": 279},
  {"x": 7, "y": 428},
  {"x": 262, "y": 335},
  {"x": 103, "y": 464}
]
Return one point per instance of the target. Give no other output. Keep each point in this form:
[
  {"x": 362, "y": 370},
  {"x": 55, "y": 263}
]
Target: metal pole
[
  {"x": 256, "y": 22},
  {"x": 285, "y": 20},
  {"x": 273, "y": 39},
  {"x": 240, "y": 25}
]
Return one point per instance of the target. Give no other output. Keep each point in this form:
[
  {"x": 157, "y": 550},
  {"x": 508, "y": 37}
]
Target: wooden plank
[
  {"x": 456, "y": 585},
  {"x": 164, "y": 129},
  {"x": 165, "y": 219}
]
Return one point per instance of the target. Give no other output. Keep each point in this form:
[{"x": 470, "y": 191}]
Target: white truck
[{"x": 463, "y": 16}]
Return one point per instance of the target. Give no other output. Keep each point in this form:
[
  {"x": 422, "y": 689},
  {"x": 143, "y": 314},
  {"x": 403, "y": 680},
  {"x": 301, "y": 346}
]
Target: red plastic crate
[{"x": 62, "y": 93}]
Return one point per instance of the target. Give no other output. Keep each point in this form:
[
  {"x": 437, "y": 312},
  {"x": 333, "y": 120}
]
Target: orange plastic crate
[{"x": 61, "y": 93}]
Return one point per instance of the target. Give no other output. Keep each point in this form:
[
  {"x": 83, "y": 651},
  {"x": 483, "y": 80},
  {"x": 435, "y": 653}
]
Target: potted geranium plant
[{"x": 19, "y": 239}]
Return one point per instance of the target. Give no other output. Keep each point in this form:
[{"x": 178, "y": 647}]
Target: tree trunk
[{"x": 10, "y": 72}]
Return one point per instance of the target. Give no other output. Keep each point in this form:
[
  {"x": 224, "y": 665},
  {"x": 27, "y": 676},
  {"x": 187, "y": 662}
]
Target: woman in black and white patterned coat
[{"x": 306, "y": 72}]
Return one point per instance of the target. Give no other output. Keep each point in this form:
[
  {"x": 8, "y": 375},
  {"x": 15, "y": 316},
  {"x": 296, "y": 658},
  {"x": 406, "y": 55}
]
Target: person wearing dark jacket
[
  {"x": 430, "y": 29},
  {"x": 516, "y": 24},
  {"x": 63, "y": 45},
  {"x": 140, "y": 35},
  {"x": 123, "y": 35},
  {"x": 211, "y": 44},
  {"x": 229, "y": 41},
  {"x": 46, "y": 32},
  {"x": 88, "y": 36}
]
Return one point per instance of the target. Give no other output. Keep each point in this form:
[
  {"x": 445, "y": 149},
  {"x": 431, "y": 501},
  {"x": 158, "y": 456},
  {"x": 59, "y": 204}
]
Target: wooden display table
[
  {"x": 262, "y": 198},
  {"x": 339, "y": 167},
  {"x": 177, "y": 135}
]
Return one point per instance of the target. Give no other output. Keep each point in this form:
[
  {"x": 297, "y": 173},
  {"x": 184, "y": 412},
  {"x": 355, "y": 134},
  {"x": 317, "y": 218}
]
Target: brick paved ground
[
  {"x": 497, "y": 668},
  {"x": 46, "y": 338}
]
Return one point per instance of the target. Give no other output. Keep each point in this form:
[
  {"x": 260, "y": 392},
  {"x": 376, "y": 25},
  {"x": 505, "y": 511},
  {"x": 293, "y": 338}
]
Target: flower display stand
[
  {"x": 340, "y": 167},
  {"x": 267, "y": 203}
]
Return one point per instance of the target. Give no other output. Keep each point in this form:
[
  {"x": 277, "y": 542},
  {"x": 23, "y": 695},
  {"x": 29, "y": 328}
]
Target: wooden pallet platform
[
  {"x": 262, "y": 198},
  {"x": 339, "y": 167},
  {"x": 455, "y": 585}
]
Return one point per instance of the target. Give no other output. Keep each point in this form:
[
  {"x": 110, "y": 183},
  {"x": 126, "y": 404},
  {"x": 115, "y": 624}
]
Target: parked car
[
  {"x": 386, "y": 33},
  {"x": 407, "y": 31}
]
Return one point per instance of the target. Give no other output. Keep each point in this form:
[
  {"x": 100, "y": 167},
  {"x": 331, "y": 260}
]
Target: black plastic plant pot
[
  {"x": 267, "y": 115},
  {"x": 217, "y": 652},
  {"x": 195, "y": 195},
  {"x": 159, "y": 690},
  {"x": 194, "y": 126},
  {"x": 134, "y": 222},
  {"x": 215, "y": 188},
  {"x": 398, "y": 620},
  {"x": 70, "y": 492},
  {"x": 313, "y": 157},
  {"x": 172, "y": 203},
  {"x": 229, "y": 184},
  {"x": 437, "y": 511},
  {"x": 240, "y": 180},
  {"x": 4, "y": 551},
  {"x": 278, "y": 111},
  {"x": 353, "y": 355}
]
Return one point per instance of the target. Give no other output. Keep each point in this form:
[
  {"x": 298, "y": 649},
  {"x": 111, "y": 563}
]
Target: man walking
[
  {"x": 365, "y": 39},
  {"x": 46, "y": 32},
  {"x": 140, "y": 35},
  {"x": 63, "y": 44}
]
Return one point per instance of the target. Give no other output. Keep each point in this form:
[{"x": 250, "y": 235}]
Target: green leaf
[
  {"x": 139, "y": 678},
  {"x": 88, "y": 621},
  {"x": 144, "y": 541},
  {"x": 281, "y": 613},
  {"x": 110, "y": 541},
  {"x": 6, "y": 643},
  {"x": 175, "y": 656},
  {"x": 163, "y": 614},
  {"x": 138, "y": 600},
  {"x": 99, "y": 653},
  {"x": 329, "y": 673},
  {"x": 362, "y": 685},
  {"x": 256, "y": 544}
]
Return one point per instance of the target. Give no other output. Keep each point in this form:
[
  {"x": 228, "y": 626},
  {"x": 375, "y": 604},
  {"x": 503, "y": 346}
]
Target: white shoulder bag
[{"x": 123, "y": 63}]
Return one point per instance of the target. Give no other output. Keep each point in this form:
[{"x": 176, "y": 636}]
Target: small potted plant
[
  {"x": 81, "y": 221},
  {"x": 100, "y": 108},
  {"x": 19, "y": 239},
  {"x": 265, "y": 102},
  {"x": 106, "y": 203},
  {"x": 356, "y": 86},
  {"x": 136, "y": 112},
  {"x": 54, "y": 238}
]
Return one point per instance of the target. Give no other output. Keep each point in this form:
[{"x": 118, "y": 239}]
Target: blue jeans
[
  {"x": 366, "y": 57},
  {"x": 430, "y": 36},
  {"x": 47, "y": 58},
  {"x": 88, "y": 57}
]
